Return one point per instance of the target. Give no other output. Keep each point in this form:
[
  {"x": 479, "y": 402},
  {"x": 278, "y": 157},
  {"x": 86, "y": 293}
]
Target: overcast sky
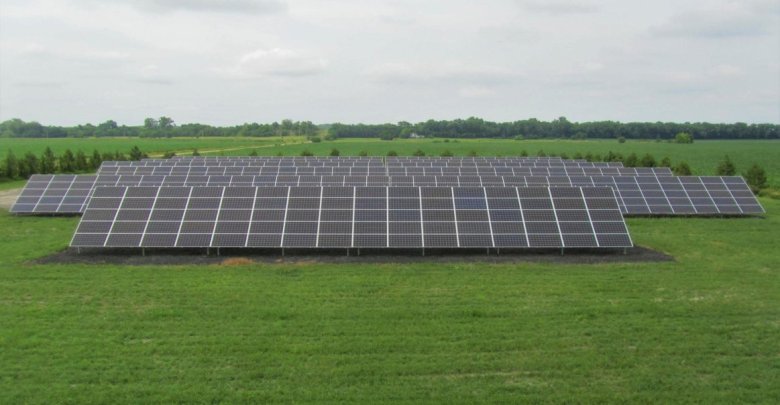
[{"x": 223, "y": 62}]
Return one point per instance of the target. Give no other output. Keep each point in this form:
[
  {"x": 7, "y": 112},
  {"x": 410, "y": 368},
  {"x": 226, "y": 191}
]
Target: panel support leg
[
  {"x": 562, "y": 251},
  {"x": 143, "y": 252}
]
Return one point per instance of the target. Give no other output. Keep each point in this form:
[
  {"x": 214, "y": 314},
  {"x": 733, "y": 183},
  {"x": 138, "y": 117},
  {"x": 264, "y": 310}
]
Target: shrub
[
  {"x": 621, "y": 139},
  {"x": 362, "y": 153},
  {"x": 335, "y": 152},
  {"x": 726, "y": 167},
  {"x": 392, "y": 153},
  {"x": 683, "y": 137},
  {"x": 418, "y": 152},
  {"x": 682, "y": 169},
  {"x": 307, "y": 152},
  {"x": 666, "y": 162},
  {"x": 647, "y": 160},
  {"x": 253, "y": 153},
  {"x": 756, "y": 178},
  {"x": 447, "y": 153},
  {"x": 315, "y": 139},
  {"x": 472, "y": 153},
  {"x": 195, "y": 152},
  {"x": 631, "y": 160},
  {"x": 166, "y": 155}
]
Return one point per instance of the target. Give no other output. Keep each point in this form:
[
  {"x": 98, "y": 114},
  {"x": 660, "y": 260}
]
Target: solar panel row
[
  {"x": 253, "y": 163},
  {"x": 687, "y": 195},
  {"x": 345, "y": 217},
  {"x": 406, "y": 171}
]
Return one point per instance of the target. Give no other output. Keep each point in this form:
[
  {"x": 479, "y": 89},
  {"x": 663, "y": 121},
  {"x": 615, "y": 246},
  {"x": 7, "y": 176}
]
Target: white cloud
[
  {"x": 476, "y": 92},
  {"x": 714, "y": 24},
  {"x": 559, "y": 7},
  {"x": 405, "y": 73},
  {"x": 229, "y": 6},
  {"x": 277, "y": 62}
]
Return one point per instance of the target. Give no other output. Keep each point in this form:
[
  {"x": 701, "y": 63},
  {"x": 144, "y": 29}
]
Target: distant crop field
[
  {"x": 149, "y": 145},
  {"x": 702, "y": 156}
]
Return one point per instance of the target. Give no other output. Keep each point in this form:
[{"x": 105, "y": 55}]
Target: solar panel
[
  {"x": 637, "y": 195},
  {"x": 353, "y": 217},
  {"x": 387, "y": 171}
]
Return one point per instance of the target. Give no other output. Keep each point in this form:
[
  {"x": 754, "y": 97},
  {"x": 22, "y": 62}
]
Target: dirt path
[
  {"x": 184, "y": 151},
  {"x": 8, "y": 197}
]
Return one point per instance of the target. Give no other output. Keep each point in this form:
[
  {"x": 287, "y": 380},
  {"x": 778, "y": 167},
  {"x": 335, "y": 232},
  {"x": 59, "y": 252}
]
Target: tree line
[
  {"x": 162, "y": 127},
  {"x": 559, "y": 128},
  {"x": 24, "y": 166},
  {"x": 460, "y": 128}
]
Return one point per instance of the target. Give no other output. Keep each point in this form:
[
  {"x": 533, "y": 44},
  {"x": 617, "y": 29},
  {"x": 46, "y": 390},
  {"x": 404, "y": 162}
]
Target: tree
[
  {"x": 631, "y": 160},
  {"x": 11, "y": 166},
  {"x": 756, "y": 178},
  {"x": 150, "y": 123},
  {"x": 682, "y": 169},
  {"x": 418, "y": 152},
  {"x": 136, "y": 154},
  {"x": 81, "y": 161},
  {"x": 392, "y": 153},
  {"x": 48, "y": 161},
  {"x": 334, "y": 152},
  {"x": 647, "y": 160},
  {"x": 666, "y": 162},
  {"x": 165, "y": 122},
  {"x": 683, "y": 137},
  {"x": 726, "y": 167},
  {"x": 447, "y": 153},
  {"x": 95, "y": 160},
  {"x": 29, "y": 165},
  {"x": 67, "y": 162}
]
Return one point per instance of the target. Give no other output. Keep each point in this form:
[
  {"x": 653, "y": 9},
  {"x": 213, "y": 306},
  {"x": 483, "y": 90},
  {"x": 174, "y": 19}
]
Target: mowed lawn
[{"x": 703, "y": 328}]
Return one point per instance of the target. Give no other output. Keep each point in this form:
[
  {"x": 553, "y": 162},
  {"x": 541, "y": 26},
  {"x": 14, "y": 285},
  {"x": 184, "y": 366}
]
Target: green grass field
[
  {"x": 702, "y": 156},
  {"x": 702, "y": 328},
  {"x": 152, "y": 146}
]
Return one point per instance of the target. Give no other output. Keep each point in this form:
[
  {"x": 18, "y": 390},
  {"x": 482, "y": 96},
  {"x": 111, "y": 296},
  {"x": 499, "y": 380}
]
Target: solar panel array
[
  {"x": 353, "y": 217},
  {"x": 637, "y": 195},
  {"x": 370, "y": 202},
  {"x": 389, "y": 171}
]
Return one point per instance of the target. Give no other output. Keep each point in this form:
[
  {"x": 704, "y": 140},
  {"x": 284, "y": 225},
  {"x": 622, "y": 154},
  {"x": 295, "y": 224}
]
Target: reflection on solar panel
[
  {"x": 390, "y": 171},
  {"x": 346, "y": 217},
  {"x": 690, "y": 195}
]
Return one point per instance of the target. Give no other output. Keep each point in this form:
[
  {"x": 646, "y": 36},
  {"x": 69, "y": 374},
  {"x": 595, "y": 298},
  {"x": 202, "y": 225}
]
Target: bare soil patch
[{"x": 8, "y": 197}]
